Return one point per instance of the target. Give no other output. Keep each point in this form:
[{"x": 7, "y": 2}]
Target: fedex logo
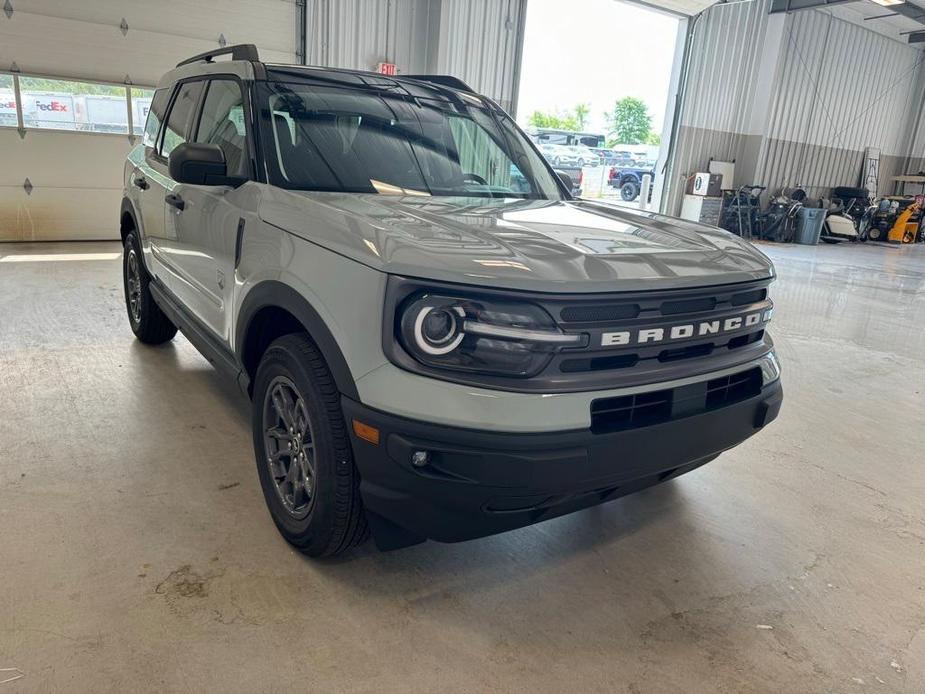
[{"x": 56, "y": 106}]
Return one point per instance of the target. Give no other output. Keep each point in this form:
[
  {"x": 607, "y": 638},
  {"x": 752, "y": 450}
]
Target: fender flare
[
  {"x": 128, "y": 207},
  {"x": 271, "y": 293}
]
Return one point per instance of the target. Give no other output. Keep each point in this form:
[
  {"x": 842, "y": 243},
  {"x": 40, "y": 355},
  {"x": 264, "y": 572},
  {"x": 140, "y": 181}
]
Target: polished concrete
[{"x": 136, "y": 554}]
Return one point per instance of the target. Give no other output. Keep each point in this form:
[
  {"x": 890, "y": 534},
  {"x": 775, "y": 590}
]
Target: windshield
[{"x": 391, "y": 141}]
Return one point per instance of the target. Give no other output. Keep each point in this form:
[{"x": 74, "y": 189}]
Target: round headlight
[{"x": 437, "y": 330}]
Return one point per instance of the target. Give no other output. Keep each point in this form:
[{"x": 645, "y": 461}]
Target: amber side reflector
[{"x": 366, "y": 432}]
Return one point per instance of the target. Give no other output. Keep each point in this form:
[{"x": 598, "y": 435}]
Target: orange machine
[{"x": 906, "y": 227}]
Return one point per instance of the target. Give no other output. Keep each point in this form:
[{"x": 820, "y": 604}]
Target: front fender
[{"x": 272, "y": 293}]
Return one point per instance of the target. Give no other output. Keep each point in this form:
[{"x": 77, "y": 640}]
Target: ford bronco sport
[{"x": 437, "y": 339}]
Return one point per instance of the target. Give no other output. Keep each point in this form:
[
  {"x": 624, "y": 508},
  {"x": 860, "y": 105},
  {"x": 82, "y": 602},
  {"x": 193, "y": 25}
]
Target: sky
[{"x": 595, "y": 51}]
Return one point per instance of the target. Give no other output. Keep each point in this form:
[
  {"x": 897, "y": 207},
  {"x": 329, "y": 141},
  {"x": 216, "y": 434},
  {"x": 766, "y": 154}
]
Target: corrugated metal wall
[
  {"x": 357, "y": 34},
  {"x": 475, "y": 40},
  {"x": 840, "y": 89},
  {"x": 723, "y": 81},
  {"x": 796, "y": 100},
  {"x": 478, "y": 44}
]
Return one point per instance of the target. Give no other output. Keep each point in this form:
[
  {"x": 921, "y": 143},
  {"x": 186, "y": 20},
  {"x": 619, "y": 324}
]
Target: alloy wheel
[
  {"x": 290, "y": 446},
  {"x": 133, "y": 285}
]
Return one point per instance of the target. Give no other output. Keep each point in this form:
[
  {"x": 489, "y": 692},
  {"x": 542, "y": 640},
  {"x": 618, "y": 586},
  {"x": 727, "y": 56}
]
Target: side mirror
[
  {"x": 198, "y": 164},
  {"x": 566, "y": 180}
]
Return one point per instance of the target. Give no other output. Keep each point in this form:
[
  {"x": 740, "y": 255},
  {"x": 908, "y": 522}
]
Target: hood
[{"x": 536, "y": 245}]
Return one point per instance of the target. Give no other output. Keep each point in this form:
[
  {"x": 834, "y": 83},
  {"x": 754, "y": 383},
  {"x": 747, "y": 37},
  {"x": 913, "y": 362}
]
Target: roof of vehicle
[{"x": 245, "y": 63}]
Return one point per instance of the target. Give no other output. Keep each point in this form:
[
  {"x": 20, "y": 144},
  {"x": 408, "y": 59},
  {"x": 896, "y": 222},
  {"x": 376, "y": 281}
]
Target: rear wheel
[
  {"x": 629, "y": 191},
  {"x": 145, "y": 317},
  {"x": 304, "y": 459}
]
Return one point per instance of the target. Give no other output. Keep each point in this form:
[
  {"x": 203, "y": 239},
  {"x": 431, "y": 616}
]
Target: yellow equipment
[{"x": 906, "y": 227}]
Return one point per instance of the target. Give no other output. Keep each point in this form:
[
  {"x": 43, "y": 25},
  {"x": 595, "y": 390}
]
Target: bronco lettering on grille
[{"x": 642, "y": 336}]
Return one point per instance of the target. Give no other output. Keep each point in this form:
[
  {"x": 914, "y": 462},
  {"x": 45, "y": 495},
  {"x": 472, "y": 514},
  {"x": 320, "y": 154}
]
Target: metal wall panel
[
  {"x": 798, "y": 102},
  {"x": 722, "y": 84},
  {"x": 840, "y": 89},
  {"x": 358, "y": 34},
  {"x": 475, "y": 40},
  {"x": 479, "y": 44}
]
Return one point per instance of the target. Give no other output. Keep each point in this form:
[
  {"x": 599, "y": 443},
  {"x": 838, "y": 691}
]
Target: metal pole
[
  {"x": 128, "y": 106},
  {"x": 20, "y": 125},
  {"x": 644, "y": 191}
]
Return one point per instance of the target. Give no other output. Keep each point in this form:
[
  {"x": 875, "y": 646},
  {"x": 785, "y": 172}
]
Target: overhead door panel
[{"x": 90, "y": 41}]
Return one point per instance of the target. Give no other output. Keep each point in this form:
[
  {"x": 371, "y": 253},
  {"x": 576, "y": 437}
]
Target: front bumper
[{"x": 479, "y": 483}]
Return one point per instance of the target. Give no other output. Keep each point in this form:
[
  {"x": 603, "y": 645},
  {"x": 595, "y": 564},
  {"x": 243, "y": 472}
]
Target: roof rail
[
  {"x": 442, "y": 80},
  {"x": 240, "y": 51}
]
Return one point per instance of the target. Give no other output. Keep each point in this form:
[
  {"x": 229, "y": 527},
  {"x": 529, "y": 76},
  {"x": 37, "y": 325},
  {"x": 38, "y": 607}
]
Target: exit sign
[{"x": 386, "y": 69}]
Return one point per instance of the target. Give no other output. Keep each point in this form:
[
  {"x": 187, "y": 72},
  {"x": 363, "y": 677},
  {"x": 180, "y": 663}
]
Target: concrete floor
[{"x": 136, "y": 553}]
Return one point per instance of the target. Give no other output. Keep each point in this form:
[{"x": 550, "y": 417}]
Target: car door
[
  {"x": 148, "y": 180},
  {"x": 178, "y": 124},
  {"x": 210, "y": 225}
]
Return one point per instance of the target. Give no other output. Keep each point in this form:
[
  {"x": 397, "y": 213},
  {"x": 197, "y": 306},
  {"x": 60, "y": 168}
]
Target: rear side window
[
  {"x": 181, "y": 115},
  {"x": 155, "y": 116},
  {"x": 222, "y": 123}
]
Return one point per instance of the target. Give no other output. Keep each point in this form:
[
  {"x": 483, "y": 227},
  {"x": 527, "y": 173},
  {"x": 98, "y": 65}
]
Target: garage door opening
[{"x": 596, "y": 80}]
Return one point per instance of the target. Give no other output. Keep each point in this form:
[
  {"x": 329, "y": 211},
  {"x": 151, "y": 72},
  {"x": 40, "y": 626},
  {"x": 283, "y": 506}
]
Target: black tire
[
  {"x": 629, "y": 191},
  {"x": 330, "y": 518},
  {"x": 145, "y": 317}
]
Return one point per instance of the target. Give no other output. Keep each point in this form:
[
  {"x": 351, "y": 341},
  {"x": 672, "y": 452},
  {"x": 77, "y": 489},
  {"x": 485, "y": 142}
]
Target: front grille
[
  {"x": 732, "y": 389},
  {"x": 633, "y": 360},
  {"x": 656, "y": 407},
  {"x": 630, "y": 411},
  {"x": 597, "y": 314}
]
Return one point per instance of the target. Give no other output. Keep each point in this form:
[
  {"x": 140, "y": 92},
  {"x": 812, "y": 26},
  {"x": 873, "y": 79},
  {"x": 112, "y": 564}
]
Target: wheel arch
[
  {"x": 128, "y": 220},
  {"x": 273, "y": 309}
]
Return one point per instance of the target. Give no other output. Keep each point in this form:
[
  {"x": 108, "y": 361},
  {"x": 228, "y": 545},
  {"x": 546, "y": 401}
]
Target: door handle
[
  {"x": 175, "y": 200},
  {"x": 141, "y": 182}
]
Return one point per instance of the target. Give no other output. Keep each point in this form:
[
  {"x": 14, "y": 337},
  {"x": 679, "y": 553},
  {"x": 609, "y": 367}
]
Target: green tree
[
  {"x": 653, "y": 139},
  {"x": 629, "y": 123},
  {"x": 562, "y": 121},
  {"x": 581, "y": 111},
  {"x": 41, "y": 84}
]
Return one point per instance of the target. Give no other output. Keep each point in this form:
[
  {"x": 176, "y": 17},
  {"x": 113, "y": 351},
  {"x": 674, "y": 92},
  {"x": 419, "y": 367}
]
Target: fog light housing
[{"x": 770, "y": 368}]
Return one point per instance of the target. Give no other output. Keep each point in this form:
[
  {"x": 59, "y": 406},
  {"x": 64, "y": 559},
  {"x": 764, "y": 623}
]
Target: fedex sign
[
  {"x": 7, "y": 103},
  {"x": 42, "y": 109},
  {"x": 53, "y": 105}
]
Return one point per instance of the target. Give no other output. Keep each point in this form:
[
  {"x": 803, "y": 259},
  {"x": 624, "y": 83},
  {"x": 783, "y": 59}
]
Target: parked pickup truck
[
  {"x": 575, "y": 178},
  {"x": 628, "y": 179},
  {"x": 437, "y": 339}
]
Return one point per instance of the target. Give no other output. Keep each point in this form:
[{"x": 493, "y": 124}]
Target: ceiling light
[{"x": 888, "y": 3}]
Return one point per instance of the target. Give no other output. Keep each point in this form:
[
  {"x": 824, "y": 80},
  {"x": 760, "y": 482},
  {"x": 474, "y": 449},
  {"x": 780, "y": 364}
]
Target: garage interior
[{"x": 137, "y": 552}]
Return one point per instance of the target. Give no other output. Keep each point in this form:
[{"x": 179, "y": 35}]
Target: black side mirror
[
  {"x": 566, "y": 179},
  {"x": 199, "y": 164}
]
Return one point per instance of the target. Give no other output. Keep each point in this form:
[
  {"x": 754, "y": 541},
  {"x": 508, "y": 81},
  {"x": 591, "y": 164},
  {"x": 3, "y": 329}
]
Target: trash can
[{"x": 809, "y": 225}]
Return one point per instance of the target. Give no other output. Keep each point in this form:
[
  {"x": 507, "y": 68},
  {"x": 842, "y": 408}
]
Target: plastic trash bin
[{"x": 809, "y": 225}]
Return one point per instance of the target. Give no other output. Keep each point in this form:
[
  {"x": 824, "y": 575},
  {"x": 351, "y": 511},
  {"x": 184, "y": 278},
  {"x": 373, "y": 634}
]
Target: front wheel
[
  {"x": 145, "y": 317},
  {"x": 304, "y": 458}
]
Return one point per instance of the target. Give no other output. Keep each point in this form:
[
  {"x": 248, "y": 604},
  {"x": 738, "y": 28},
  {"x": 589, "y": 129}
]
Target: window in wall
[
  {"x": 7, "y": 102},
  {"x": 141, "y": 104},
  {"x": 68, "y": 105},
  {"x": 181, "y": 116},
  {"x": 222, "y": 124}
]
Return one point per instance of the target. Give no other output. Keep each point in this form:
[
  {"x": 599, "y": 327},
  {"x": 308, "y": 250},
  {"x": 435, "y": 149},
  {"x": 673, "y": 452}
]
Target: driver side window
[
  {"x": 223, "y": 123},
  {"x": 481, "y": 158}
]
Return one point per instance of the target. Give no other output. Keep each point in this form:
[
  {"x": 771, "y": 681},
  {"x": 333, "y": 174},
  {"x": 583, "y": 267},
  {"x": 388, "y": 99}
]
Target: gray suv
[{"x": 438, "y": 340}]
